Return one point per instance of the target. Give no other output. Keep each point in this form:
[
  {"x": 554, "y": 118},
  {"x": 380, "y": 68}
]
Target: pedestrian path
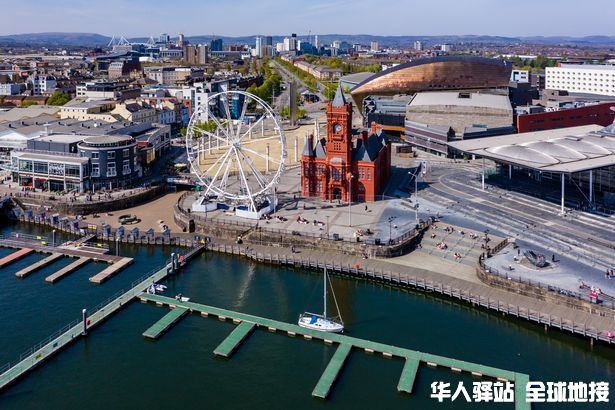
[{"x": 559, "y": 316}]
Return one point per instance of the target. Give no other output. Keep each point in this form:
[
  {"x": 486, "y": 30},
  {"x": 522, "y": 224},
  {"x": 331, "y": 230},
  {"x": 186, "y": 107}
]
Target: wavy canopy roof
[{"x": 566, "y": 150}]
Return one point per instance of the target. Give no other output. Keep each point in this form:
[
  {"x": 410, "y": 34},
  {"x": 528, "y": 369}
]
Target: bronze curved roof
[{"x": 438, "y": 73}]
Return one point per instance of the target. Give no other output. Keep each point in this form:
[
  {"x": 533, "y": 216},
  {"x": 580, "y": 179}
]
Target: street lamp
[
  {"x": 416, "y": 194},
  {"x": 350, "y": 200},
  {"x": 327, "y": 226},
  {"x": 53, "y": 238},
  {"x": 391, "y": 218}
]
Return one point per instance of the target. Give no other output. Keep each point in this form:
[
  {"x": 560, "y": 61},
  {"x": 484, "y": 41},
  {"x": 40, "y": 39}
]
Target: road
[{"x": 585, "y": 237}]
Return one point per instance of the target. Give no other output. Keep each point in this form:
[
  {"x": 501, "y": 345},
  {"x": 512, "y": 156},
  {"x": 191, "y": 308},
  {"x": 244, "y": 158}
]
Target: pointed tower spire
[{"x": 339, "y": 100}]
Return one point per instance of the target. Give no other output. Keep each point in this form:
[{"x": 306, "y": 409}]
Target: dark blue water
[{"x": 116, "y": 367}]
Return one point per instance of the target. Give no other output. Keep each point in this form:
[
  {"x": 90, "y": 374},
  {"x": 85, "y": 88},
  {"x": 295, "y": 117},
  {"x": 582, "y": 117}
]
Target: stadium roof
[{"x": 565, "y": 150}]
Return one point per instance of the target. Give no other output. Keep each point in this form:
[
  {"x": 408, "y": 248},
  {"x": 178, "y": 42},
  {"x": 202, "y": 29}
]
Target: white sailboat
[{"x": 323, "y": 323}]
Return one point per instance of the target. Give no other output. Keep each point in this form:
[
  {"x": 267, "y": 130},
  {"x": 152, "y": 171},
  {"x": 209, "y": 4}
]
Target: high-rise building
[
  {"x": 190, "y": 53},
  {"x": 293, "y": 42},
  {"x": 216, "y": 45},
  {"x": 286, "y": 44},
  {"x": 418, "y": 46},
  {"x": 259, "y": 47},
  {"x": 180, "y": 40},
  {"x": 446, "y": 48},
  {"x": 269, "y": 41},
  {"x": 202, "y": 52},
  {"x": 164, "y": 38},
  {"x": 373, "y": 46}
]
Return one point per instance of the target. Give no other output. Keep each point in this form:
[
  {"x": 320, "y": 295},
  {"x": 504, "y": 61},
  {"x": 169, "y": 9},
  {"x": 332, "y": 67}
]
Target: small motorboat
[
  {"x": 182, "y": 298},
  {"x": 159, "y": 288}
]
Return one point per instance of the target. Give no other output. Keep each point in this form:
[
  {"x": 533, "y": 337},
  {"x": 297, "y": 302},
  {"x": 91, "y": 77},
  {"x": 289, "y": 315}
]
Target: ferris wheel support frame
[{"x": 230, "y": 136}]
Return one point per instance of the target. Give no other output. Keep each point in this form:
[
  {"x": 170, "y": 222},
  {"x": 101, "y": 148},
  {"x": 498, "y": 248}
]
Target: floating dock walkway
[
  {"x": 247, "y": 323},
  {"x": 165, "y": 323},
  {"x": 39, "y": 265},
  {"x": 54, "y": 277},
  {"x": 232, "y": 342},
  {"x": 13, "y": 257},
  {"x": 110, "y": 271}
]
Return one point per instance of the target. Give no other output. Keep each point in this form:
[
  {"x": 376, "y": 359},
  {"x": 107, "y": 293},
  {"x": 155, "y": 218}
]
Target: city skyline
[{"x": 482, "y": 17}]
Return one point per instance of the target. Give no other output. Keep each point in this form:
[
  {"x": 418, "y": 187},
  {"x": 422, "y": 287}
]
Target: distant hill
[
  {"x": 56, "y": 39},
  {"x": 92, "y": 39}
]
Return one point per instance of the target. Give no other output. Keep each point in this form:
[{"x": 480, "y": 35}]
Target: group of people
[
  {"x": 441, "y": 245},
  {"x": 609, "y": 274},
  {"x": 306, "y": 222},
  {"x": 279, "y": 218}
]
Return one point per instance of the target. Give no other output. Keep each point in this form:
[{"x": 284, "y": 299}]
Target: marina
[
  {"x": 345, "y": 345},
  {"x": 233, "y": 341},
  {"x": 80, "y": 249},
  {"x": 80, "y": 328}
]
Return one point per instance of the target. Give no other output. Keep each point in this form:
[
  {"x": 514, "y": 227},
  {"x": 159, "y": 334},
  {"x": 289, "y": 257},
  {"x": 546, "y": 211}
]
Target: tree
[
  {"x": 285, "y": 112},
  {"x": 58, "y": 98},
  {"x": 209, "y": 126},
  {"x": 27, "y": 103}
]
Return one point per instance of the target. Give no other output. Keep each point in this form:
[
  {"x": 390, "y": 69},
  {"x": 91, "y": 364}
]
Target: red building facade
[
  {"x": 340, "y": 167},
  {"x": 600, "y": 114}
]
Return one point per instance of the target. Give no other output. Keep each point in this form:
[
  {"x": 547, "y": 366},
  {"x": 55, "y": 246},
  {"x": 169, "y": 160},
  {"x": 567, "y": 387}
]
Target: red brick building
[
  {"x": 343, "y": 167},
  {"x": 600, "y": 114}
]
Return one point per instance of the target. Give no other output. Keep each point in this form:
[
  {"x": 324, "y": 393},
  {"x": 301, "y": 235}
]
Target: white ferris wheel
[{"x": 236, "y": 149}]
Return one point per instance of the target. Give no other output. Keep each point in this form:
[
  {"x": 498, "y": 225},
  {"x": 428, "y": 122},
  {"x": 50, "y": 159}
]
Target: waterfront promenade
[{"x": 595, "y": 325}]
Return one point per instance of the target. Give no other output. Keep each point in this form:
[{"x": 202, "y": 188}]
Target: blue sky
[{"x": 248, "y": 17}]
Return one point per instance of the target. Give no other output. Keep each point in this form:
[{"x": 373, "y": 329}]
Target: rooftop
[
  {"x": 356, "y": 78},
  {"x": 56, "y": 157},
  {"x": 565, "y": 150},
  {"x": 108, "y": 139},
  {"x": 461, "y": 99},
  {"x": 587, "y": 67},
  {"x": 88, "y": 104},
  {"x": 19, "y": 113}
]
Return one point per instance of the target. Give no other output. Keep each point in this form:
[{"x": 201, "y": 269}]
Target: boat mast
[{"x": 325, "y": 292}]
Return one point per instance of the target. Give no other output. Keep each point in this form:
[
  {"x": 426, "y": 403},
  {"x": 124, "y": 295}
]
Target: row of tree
[
  {"x": 309, "y": 80},
  {"x": 346, "y": 67}
]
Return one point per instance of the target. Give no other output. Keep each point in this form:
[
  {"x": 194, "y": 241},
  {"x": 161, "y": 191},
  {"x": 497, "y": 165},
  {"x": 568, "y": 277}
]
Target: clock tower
[
  {"x": 336, "y": 168},
  {"x": 339, "y": 130}
]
